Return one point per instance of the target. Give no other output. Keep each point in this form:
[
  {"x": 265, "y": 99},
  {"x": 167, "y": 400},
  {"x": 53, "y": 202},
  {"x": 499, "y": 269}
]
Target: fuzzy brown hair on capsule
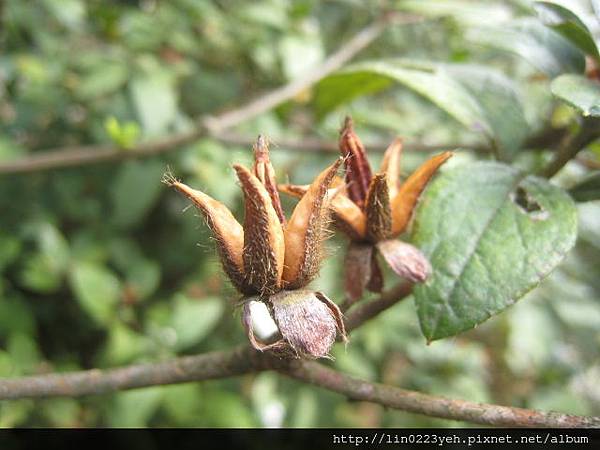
[
  {"x": 373, "y": 210},
  {"x": 271, "y": 259}
]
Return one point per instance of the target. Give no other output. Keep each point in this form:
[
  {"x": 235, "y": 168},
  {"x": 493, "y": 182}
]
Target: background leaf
[
  {"x": 193, "y": 320},
  {"x": 97, "y": 290},
  {"x": 579, "y": 92},
  {"x": 491, "y": 234},
  {"x": 569, "y": 25},
  {"x": 480, "y": 98},
  {"x": 545, "y": 49},
  {"x": 134, "y": 190},
  {"x": 588, "y": 189}
]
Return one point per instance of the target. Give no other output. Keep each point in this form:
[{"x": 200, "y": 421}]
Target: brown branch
[
  {"x": 190, "y": 368},
  {"x": 91, "y": 382},
  {"x": 429, "y": 405},
  {"x": 571, "y": 145},
  {"x": 92, "y": 154},
  {"x": 243, "y": 359},
  {"x": 361, "y": 312}
]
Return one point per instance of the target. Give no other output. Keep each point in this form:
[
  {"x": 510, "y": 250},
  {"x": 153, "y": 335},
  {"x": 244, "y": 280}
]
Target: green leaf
[
  {"x": 588, "y": 189},
  {"x": 16, "y": 317},
  {"x": 38, "y": 274},
  {"x": 569, "y": 25},
  {"x": 499, "y": 102},
  {"x": 123, "y": 135},
  {"x": 466, "y": 12},
  {"x": 193, "y": 320},
  {"x": 97, "y": 289},
  {"x": 155, "y": 100},
  {"x": 579, "y": 92},
  {"x": 344, "y": 86},
  {"x": 10, "y": 247},
  {"x": 103, "y": 78},
  {"x": 134, "y": 191},
  {"x": 545, "y": 49},
  {"x": 123, "y": 345},
  {"x": 135, "y": 408},
  {"x": 480, "y": 98},
  {"x": 300, "y": 53},
  {"x": 491, "y": 234},
  {"x": 43, "y": 270},
  {"x": 143, "y": 276}
]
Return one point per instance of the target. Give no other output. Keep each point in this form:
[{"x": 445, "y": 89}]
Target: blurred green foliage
[{"x": 100, "y": 266}]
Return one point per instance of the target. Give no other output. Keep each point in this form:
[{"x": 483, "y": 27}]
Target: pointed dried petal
[
  {"x": 305, "y": 231},
  {"x": 305, "y": 322},
  {"x": 263, "y": 169},
  {"x": 405, "y": 259},
  {"x": 377, "y": 209},
  {"x": 264, "y": 244},
  {"x": 376, "y": 280},
  {"x": 348, "y": 216},
  {"x": 227, "y": 231},
  {"x": 358, "y": 170},
  {"x": 390, "y": 166},
  {"x": 406, "y": 199},
  {"x": 357, "y": 271}
]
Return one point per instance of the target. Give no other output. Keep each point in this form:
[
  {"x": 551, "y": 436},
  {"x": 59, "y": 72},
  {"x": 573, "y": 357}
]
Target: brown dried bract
[
  {"x": 264, "y": 247},
  {"x": 358, "y": 170},
  {"x": 305, "y": 232},
  {"x": 403, "y": 204}
]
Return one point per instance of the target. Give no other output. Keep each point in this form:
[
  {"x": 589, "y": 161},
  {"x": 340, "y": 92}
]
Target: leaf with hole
[{"x": 491, "y": 234}]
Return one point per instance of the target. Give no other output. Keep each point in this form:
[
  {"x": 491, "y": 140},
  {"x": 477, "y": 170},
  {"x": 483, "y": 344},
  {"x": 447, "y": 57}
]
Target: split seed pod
[
  {"x": 373, "y": 210},
  {"x": 270, "y": 259}
]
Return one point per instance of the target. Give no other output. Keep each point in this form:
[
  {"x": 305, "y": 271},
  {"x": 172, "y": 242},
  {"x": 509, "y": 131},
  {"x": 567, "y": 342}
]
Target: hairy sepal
[
  {"x": 358, "y": 170},
  {"x": 377, "y": 210},
  {"x": 263, "y": 169},
  {"x": 228, "y": 233},
  {"x": 357, "y": 270},
  {"x": 306, "y": 231},
  {"x": 349, "y": 218},
  {"x": 403, "y": 204},
  {"x": 264, "y": 244},
  {"x": 405, "y": 260},
  {"x": 390, "y": 166}
]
